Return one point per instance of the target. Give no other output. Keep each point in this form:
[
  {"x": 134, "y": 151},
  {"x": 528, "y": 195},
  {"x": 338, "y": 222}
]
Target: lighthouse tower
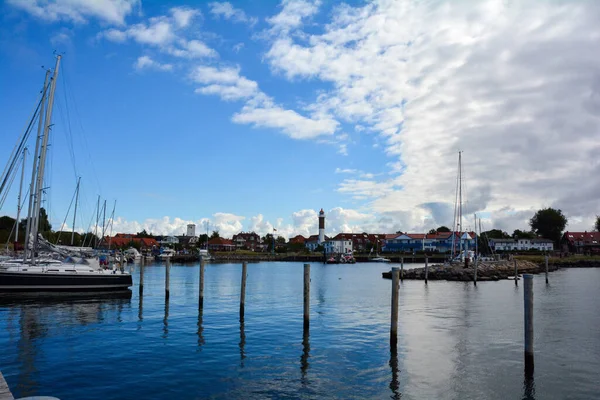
[{"x": 321, "y": 226}]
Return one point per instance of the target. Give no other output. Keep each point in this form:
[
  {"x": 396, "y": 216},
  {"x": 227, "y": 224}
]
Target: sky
[{"x": 251, "y": 116}]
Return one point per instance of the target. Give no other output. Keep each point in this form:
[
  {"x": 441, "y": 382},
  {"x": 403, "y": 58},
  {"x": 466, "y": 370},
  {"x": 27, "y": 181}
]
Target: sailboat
[
  {"x": 460, "y": 237},
  {"x": 33, "y": 273},
  {"x": 377, "y": 257}
]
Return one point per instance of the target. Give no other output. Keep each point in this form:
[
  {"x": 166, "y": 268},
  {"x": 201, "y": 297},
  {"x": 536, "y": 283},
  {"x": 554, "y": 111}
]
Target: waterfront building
[
  {"x": 312, "y": 242},
  {"x": 220, "y": 244},
  {"x": 191, "y": 230},
  {"x": 169, "y": 240},
  {"x": 363, "y": 242},
  {"x": 248, "y": 240},
  {"x": 440, "y": 242},
  {"x": 338, "y": 246},
  {"x": 122, "y": 240},
  {"x": 298, "y": 239},
  {"x": 581, "y": 242},
  {"x": 522, "y": 244}
]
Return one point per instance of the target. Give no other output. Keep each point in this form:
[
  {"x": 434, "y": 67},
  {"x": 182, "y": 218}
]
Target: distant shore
[{"x": 251, "y": 256}]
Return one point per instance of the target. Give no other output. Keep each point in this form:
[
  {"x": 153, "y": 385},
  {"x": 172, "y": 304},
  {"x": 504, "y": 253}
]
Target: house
[
  {"x": 312, "y": 242},
  {"x": 220, "y": 244},
  {"x": 248, "y": 240},
  {"x": 166, "y": 240},
  {"x": 522, "y": 244},
  {"x": 363, "y": 242},
  {"x": 441, "y": 242},
  {"x": 125, "y": 240},
  {"x": 581, "y": 242},
  {"x": 187, "y": 240},
  {"x": 338, "y": 246},
  {"x": 298, "y": 239}
]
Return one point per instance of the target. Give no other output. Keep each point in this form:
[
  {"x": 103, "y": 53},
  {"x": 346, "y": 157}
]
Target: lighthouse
[{"x": 321, "y": 226}]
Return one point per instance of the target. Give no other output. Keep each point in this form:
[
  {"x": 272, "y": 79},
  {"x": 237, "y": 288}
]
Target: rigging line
[
  {"x": 83, "y": 134},
  {"x": 66, "y": 216},
  {"x": 68, "y": 139},
  {"x": 5, "y": 194},
  {"x": 22, "y": 138},
  {"x": 68, "y": 125}
]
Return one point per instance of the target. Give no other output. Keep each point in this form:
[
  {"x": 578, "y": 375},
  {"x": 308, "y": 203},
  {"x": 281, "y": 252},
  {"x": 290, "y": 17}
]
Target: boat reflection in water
[{"x": 49, "y": 317}]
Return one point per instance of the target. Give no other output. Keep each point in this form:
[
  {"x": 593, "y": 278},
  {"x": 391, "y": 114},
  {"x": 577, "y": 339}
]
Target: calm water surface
[{"x": 456, "y": 341}]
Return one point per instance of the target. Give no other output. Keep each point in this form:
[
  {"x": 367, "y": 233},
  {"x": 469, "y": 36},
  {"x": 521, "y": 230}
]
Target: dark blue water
[{"x": 456, "y": 341}]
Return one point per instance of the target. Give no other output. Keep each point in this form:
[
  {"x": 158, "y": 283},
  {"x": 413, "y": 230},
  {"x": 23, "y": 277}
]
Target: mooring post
[
  {"x": 528, "y": 303},
  {"x": 394, "y": 323},
  {"x": 201, "y": 283},
  {"x": 402, "y": 269},
  {"x": 426, "y": 268},
  {"x": 546, "y": 268},
  {"x": 167, "y": 277},
  {"x": 516, "y": 272},
  {"x": 475, "y": 270},
  {"x": 306, "y": 296},
  {"x": 142, "y": 278},
  {"x": 243, "y": 290}
]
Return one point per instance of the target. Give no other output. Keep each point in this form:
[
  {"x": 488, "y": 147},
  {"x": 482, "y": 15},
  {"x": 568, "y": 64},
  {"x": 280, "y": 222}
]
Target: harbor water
[{"x": 455, "y": 340}]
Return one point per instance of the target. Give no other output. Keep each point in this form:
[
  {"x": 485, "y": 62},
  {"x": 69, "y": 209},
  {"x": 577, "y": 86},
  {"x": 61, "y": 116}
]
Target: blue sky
[{"x": 257, "y": 114}]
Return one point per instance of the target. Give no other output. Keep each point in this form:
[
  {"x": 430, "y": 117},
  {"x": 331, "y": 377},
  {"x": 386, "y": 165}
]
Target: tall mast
[
  {"x": 75, "y": 212},
  {"x": 30, "y": 208},
  {"x": 20, "y": 192},
  {"x": 104, "y": 219},
  {"x": 44, "y": 150},
  {"x": 112, "y": 218},
  {"x": 96, "y": 226},
  {"x": 476, "y": 245},
  {"x": 460, "y": 224}
]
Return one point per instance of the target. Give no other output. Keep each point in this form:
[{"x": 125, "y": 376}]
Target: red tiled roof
[
  {"x": 220, "y": 241},
  {"x": 582, "y": 236},
  {"x": 298, "y": 239}
]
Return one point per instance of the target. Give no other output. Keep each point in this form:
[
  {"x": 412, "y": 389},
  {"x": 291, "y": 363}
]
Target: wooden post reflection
[
  {"x": 395, "y": 382},
  {"x": 200, "y": 328},
  {"x": 166, "y": 319},
  {"x": 242, "y": 343},
  {"x": 305, "y": 355}
]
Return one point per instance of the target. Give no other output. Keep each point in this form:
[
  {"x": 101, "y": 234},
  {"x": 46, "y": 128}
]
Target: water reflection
[
  {"x": 141, "y": 310},
  {"x": 200, "y": 329},
  {"x": 305, "y": 355},
  {"x": 242, "y": 343},
  {"x": 395, "y": 382},
  {"x": 166, "y": 319},
  {"x": 528, "y": 387},
  {"x": 46, "y": 315}
]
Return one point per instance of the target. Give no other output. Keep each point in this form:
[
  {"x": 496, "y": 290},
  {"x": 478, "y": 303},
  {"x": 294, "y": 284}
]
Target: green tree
[
  {"x": 496, "y": 234},
  {"x": 519, "y": 234},
  {"x": 597, "y": 225},
  {"x": 45, "y": 225},
  {"x": 443, "y": 229},
  {"x": 215, "y": 235},
  {"x": 548, "y": 223},
  {"x": 6, "y": 223},
  {"x": 432, "y": 232},
  {"x": 144, "y": 234}
]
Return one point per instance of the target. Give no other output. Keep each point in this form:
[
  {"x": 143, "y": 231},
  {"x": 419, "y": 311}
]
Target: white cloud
[
  {"x": 292, "y": 14},
  {"x": 111, "y": 11},
  {"x": 226, "y": 11},
  {"x": 183, "y": 16},
  {"x": 514, "y": 85},
  {"x": 345, "y": 171},
  {"x": 145, "y": 62},
  {"x": 225, "y": 82}
]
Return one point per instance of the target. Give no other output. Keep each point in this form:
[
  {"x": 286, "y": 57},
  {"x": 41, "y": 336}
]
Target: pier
[{"x": 5, "y": 393}]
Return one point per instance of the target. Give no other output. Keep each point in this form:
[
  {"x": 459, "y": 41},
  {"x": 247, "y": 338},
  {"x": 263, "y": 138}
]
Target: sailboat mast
[
  {"x": 104, "y": 219},
  {"x": 44, "y": 151},
  {"x": 460, "y": 216},
  {"x": 112, "y": 218},
  {"x": 96, "y": 226},
  {"x": 476, "y": 245},
  {"x": 75, "y": 212},
  {"x": 30, "y": 208},
  {"x": 20, "y": 192}
]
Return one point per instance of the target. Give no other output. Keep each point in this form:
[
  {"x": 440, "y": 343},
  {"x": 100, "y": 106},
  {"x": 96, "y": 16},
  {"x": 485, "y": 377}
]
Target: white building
[
  {"x": 338, "y": 246},
  {"x": 521, "y": 244},
  {"x": 191, "y": 230},
  {"x": 169, "y": 240}
]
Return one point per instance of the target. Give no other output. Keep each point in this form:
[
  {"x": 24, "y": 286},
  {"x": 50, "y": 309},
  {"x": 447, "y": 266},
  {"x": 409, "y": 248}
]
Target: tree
[
  {"x": 144, "y": 234},
  {"x": 597, "y": 225},
  {"x": 548, "y": 223},
  {"x": 6, "y": 223},
  {"x": 496, "y": 234},
  {"x": 443, "y": 229},
  {"x": 215, "y": 235},
  {"x": 432, "y": 232},
  {"x": 45, "y": 225},
  {"x": 519, "y": 234}
]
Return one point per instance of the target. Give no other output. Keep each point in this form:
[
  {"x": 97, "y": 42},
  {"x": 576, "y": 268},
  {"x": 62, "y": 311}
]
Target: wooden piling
[
  {"x": 167, "y": 278},
  {"x": 475, "y": 271},
  {"x": 201, "y": 284},
  {"x": 402, "y": 269},
  {"x": 394, "y": 320},
  {"x": 528, "y": 314},
  {"x": 306, "y": 296},
  {"x": 142, "y": 278},
  {"x": 426, "y": 268},
  {"x": 243, "y": 290},
  {"x": 546, "y": 260},
  {"x": 516, "y": 273}
]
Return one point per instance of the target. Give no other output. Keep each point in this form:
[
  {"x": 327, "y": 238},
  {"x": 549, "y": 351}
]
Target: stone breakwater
[{"x": 486, "y": 271}]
